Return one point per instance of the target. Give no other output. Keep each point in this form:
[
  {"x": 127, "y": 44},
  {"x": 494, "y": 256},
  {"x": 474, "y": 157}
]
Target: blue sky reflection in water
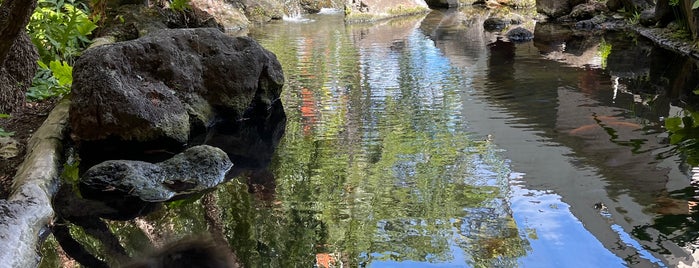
[
  {"x": 377, "y": 104},
  {"x": 427, "y": 142}
]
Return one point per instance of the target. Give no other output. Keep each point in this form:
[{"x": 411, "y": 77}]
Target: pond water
[{"x": 428, "y": 142}]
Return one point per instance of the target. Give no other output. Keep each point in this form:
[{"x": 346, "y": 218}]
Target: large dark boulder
[
  {"x": 161, "y": 88},
  {"x": 556, "y": 8},
  {"x": 587, "y": 11}
]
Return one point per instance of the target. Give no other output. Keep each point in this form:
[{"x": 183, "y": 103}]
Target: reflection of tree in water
[
  {"x": 426, "y": 193},
  {"x": 676, "y": 221}
]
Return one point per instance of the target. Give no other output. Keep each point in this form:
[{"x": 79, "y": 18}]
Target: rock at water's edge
[
  {"x": 160, "y": 87},
  {"x": 195, "y": 170}
]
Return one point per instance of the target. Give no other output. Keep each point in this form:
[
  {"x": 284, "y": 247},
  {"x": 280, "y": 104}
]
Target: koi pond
[{"x": 429, "y": 142}]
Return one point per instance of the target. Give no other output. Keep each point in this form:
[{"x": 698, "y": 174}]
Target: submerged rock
[
  {"x": 520, "y": 34},
  {"x": 494, "y": 24},
  {"x": 195, "y": 170}
]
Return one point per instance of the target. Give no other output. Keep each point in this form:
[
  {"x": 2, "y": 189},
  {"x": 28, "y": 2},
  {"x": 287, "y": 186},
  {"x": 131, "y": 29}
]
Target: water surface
[{"x": 428, "y": 142}]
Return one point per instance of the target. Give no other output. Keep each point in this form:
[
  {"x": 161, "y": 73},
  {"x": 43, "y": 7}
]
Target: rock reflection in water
[{"x": 250, "y": 144}]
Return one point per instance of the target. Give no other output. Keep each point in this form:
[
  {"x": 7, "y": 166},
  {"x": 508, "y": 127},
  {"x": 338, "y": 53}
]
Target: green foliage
[
  {"x": 635, "y": 18},
  {"x": 604, "y": 50},
  {"x": 180, "y": 5},
  {"x": 51, "y": 81},
  {"x": 684, "y": 134},
  {"x": 674, "y": 2},
  {"x": 4, "y": 133},
  {"x": 696, "y": 4},
  {"x": 59, "y": 29}
]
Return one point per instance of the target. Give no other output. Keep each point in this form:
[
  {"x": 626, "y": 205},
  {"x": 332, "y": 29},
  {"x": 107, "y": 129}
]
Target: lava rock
[
  {"x": 161, "y": 87},
  {"x": 520, "y": 34},
  {"x": 494, "y": 24},
  {"x": 195, "y": 170}
]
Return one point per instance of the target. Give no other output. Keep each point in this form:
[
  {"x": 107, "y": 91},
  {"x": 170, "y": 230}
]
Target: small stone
[{"x": 9, "y": 147}]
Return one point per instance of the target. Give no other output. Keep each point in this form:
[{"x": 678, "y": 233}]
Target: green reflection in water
[{"x": 374, "y": 165}]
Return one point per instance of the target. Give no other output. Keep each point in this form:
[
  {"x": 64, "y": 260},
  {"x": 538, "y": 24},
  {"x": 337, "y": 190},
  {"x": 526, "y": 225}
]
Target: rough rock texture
[
  {"x": 587, "y": 10},
  {"x": 28, "y": 211},
  {"x": 132, "y": 21},
  {"x": 520, "y": 34},
  {"x": 17, "y": 72},
  {"x": 372, "y": 10},
  {"x": 556, "y": 8},
  {"x": 228, "y": 15},
  {"x": 195, "y": 170},
  {"x": 495, "y": 24},
  {"x": 160, "y": 87},
  {"x": 636, "y": 5},
  {"x": 261, "y": 10},
  {"x": 9, "y": 147}
]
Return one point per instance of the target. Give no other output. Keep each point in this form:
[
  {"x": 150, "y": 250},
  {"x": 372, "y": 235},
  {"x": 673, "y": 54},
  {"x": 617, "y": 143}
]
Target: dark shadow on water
[{"x": 249, "y": 143}]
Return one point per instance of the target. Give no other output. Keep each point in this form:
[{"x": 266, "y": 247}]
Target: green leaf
[
  {"x": 63, "y": 72},
  {"x": 673, "y": 124},
  {"x": 676, "y": 138},
  {"x": 4, "y": 116},
  {"x": 4, "y": 133},
  {"x": 696, "y": 4}
]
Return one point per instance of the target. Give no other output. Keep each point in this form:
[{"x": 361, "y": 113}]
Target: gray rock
[
  {"x": 195, "y": 170},
  {"x": 9, "y": 147},
  {"x": 494, "y": 24},
  {"x": 159, "y": 87},
  {"x": 520, "y": 34},
  {"x": 556, "y": 8},
  {"x": 587, "y": 11},
  {"x": 373, "y": 10}
]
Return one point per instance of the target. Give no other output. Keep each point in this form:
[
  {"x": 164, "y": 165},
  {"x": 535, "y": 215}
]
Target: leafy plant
[
  {"x": 59, "y": 29},
  {"x": 4, "y": 133},
  {"x": 684, "y": 134},
  {"x": 605, "y": 49},
  {"x": 635, "y": 18},
  {"x": 53, "y": 80},
  {"x": 696, "y": 4},
  {"x": 180, "y": 5}
]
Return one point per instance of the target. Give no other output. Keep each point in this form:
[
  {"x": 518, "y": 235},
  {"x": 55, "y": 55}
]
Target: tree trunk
[
  {"x": 14, "y": 16},
  {"x": 17, "y": 73},
  {"x": 690, "y": 17},
  {"x": 17, "y": 53}
]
